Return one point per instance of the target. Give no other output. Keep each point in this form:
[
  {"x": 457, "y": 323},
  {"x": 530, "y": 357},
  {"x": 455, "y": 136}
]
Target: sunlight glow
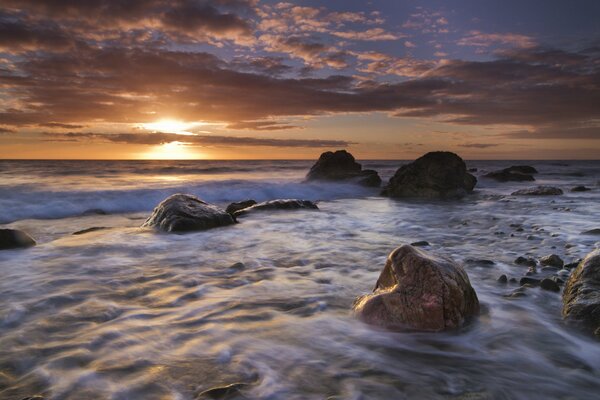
[
  {"x": 172, "y": 151},
  {"x": 170, "y": 126}
]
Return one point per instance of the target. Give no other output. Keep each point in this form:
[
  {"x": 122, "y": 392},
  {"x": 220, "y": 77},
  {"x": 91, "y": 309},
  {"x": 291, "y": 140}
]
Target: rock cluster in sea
[
  {"x": 436, "y": 175},
  {"x": 419, "y": 291},
  {"x": 538, "y": 191},
  {"x": 341, "y": 166}
]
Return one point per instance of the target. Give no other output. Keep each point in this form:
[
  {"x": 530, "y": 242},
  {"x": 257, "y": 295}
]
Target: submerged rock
[
  {"x": 341, "y": 166},
  {"x": 419, "y": 291},
  {"x": 595, "y": 231},
  {"x": 516, "y": 173},
  {"x": 538, "y": 191},
  {"x": 439, "y": 174},
  {"x": 580, "y": 189},
  {"x": 522, "y": 169},
  {"x": 184, "y": 212},
  {"x": 581, "y": 297},
  {"x": 14, "y": 239},
  {"x": 240, "y": 205},
  {"x": 280, "y": 204}
]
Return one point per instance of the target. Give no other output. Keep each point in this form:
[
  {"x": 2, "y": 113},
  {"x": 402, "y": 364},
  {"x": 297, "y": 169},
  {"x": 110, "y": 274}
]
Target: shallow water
[{"x": 123, "y": 313}]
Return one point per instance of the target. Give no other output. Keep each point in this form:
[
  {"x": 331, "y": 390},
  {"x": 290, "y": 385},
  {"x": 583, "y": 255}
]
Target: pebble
[
  {"x": 503, "y": 279},
  {"x": 549, "y": 284}
]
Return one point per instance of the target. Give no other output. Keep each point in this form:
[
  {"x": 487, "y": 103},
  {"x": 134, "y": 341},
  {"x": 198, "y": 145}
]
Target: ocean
[{"x": 265, "y": 305}]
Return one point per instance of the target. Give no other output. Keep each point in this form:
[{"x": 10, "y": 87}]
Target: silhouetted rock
[
  {"x": 419, "y": 291},
  {"x": 522, "y": 169},
  {"x": 14, "y": 239},
  {"x": 538, "y": 191},
  {"x": 184, "y": 212},
  {"x": 240, "y": 205},
  {"x": 341, "y": 166},
  {"x": 516, "y": 173},
  {"x": 280, "y": 204},
  {"x": 580, "y": 189},
  {"x": 420, "y": 243},
  {"x": 581, "y": 297},
  {"x": 440, "y": 174}
]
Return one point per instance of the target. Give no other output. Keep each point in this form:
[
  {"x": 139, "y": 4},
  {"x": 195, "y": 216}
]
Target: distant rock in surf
[
  {"x": 280, "y": 204},
  {"x": 439, "y": 174},
  {"x": 538, "y": 191},
  {"x": 239, "y": 205},
  {"x": 341, "y": 166},
  {"x": 184, "y": 212},
  {"x": 580, "y": 189},
  {"x": 595, "y": 231},
  {"x": 14, "y": 239},
  {"x": 516, "y": 173},
  {"x": 419, "y": 291},
  {"x": 581, "y": 297}
]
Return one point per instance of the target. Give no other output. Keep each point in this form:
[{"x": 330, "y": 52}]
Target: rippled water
[{"x": 123, "y": 313}]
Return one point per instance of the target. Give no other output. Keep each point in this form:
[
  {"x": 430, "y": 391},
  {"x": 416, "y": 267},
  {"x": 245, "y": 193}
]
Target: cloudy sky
[{"x": 494, "y": 79}]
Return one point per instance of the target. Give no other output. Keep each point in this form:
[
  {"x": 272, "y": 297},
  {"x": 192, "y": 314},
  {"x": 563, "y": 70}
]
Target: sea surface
[{"x": 264, "y": 305}]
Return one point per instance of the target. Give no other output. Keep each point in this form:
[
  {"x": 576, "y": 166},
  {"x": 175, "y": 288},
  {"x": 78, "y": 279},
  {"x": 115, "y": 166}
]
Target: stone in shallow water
[
  {"x": 552, "y": 260},
  {"x": 516, "y": 173},
  {"x": 419, "y": 291},
  {"x": 436, "y": 175},
  {"x": 550, "y": 284},
  {"x": 184, "y": 212},
  {"x": 581, "y": 297},
  {"x": 14, "y": 239},
  {"x": 280, "y": 204},
  {"x": 341, "y": 166},
  {"x": 239, "y": 205},
  {"x": 538, "y": 191}
]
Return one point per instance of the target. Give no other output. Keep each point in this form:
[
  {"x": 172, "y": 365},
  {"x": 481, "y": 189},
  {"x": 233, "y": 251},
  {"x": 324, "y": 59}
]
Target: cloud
[
  {"x": 478, "y": 145},
  {"x": 6, "y": 130},
  {"x": 60, "y": 125},
  {"x": 192, "y": 140},
  {"x": 557, "y": 132},
  {"x": 261, "y": 125},
  {"x": 480, "y": 39},
  {"x": 374, "y": 34}
]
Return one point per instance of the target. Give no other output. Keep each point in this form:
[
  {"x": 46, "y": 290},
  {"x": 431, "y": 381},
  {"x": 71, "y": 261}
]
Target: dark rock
[
  {"x": 581, "y": 297},
  {"x": 595, "y": 231},
  {"x": 526, "y": 280},
  {"x": 522, "y": 169},
  {"x": 419, "y": 291},
  {"x": 580, "y": 189},
  {"x": 472, "y": 170},
  {"x": 341, "y": 166},
  {"x": 549, "y": 284},
  {"x": 240, "y": 205},
  {"x": 184, "y": 212},
  {"x": 421, "y": 243},
  {"x": 530, "y": 262},
  {"x": 223, "y": 392},
  {"x": 14, "y": 239},
  {"x": 538, "y": 191},
  {"x": 572, "y": 264},
  {"x": 515, "y": 173},
  {"x": 480, "y": 261},
  {"x": 552, "y": 261},
  {"x": 94, "y": 211},
  {"x": 434, "y": 175},
  {"x": 280, "y": 204},
  {"x": 503, "y": 279},
  {"x": 88, "y": 230}
]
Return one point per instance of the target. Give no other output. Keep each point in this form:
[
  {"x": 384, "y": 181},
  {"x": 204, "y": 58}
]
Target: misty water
[{"x": 126, "y": 313}]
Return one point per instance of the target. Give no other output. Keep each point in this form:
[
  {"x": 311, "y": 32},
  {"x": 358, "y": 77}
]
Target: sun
[
  {"x": 172, "y": 151},
  {"x": 170, "y": 126}
]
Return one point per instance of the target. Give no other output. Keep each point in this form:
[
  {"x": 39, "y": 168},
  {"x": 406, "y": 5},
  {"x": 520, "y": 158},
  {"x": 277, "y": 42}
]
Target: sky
[{"x": 254, "y": 79}]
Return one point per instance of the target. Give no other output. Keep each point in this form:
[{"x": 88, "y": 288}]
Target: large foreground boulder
[
  {"x": 280, "y": 204},
  {"x": 14, "y": 239},
  {"x": 341, "y": 166},
  {"x": 581, "y": 297},
  {"x": 538, "y": 191},
  {"x": 184, "y": 212},
  {"x": 419, "y": 291},
  {"x": 439, "y": 174}
]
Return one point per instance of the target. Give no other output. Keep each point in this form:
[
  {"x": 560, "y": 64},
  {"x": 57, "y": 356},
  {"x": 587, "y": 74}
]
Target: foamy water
[{"x": 123, "y": 313}]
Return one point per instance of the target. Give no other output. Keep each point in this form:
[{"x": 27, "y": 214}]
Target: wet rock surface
[
  {"x": 436, "y": 175},
  {"x": 538, "y": 191},
  {"x": 15, "y": 239},
  {"x": 515, "y": 173},
  {"x": 280, "y": 204},
  {"x": 184, "y": 212},
  {"x": 341, "y": 166},
  {"x": 239, "y": 205},
  {"x": 581, "y": 297},
  {"x": 419, "y": 291}
]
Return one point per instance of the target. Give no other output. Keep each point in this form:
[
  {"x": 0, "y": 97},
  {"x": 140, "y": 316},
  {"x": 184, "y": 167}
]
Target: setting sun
[{"x": 171, "y": 151}]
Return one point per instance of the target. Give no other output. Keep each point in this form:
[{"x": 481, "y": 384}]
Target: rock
[
  {"x": 530, "y": 262},
  {"x": 573, "y": 264},
  {"x": 341, "y": 166},
  {"x": 184, "y": 212},
  {"x": 580, "y": 189},
  {"x": 515, "y": 174},
  {"x": 88, "y": 230},
  {"x": 526, "y": 280},
  {"x": 94, "y": 211},
  {"x": 581, "y": 297},
  {"x": 595, "y": 231},
  {"x": 240, "y": 205},
  {"x": 230, "y": 391},
  {"x": 421, "y": 243},
  {"x": 503, "y": 279},
  {"x": 538, "y": 191},
  {"x": 435, "y": 175},
  {"x": 14, "y": 239},
  {"x": 472, "y": 170},
  {"x": 419, "y": 291},
  {"x": 549, "y": 284},
  {"x": 552, "y": 261},
  {"x": 280, "y": 204}
]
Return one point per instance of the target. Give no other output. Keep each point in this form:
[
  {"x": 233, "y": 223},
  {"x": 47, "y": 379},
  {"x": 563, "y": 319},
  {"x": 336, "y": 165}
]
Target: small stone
[
  {"x": 580, "y": 188},
  {"x": 549, "y": 284},
  {"x": 529, "y": 281},
  {"x": 552, "y": 260},
  {"x": 503, "y": 279},
  {"x": 421, "y": 243},
  {"x": 525, "y": 261}
]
